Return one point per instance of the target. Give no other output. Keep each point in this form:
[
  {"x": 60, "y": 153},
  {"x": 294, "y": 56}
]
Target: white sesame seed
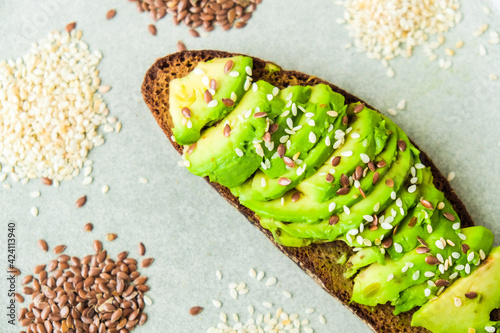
[
  {"x": 87, "y": 181},
  {"x": 239, "y": 152},
  {"x": 255, "y": 87},
  {"x": 462, "y": 236},
  {"x": 402, "y": 104},
  {"x": 482, "y": 50},
  {"x": 460, "y": 267},
  {"x": 233, "y": 293},
  {"x": 216, "y": 303},
  {"x": 218, "y": 274},
  {"x": 271, "y": 282},
  {"x": 331, "y": 206},
  {"x": 105, "y": 189},
  {"x": 429, "y": 274},
  {"x": 390, "y": 72},
  {"x": 189, "y": 123},
  {"x": 453, "y": 276},
  {"x": 398, "y": 248},
  {"x": 143, "y": 180},
  {"x": 376, "y": 207},
  {"x": 198, "y": 71},
  {"x": 467, "y": 268},
  {"x": 269, "y": 97},
  {"x": 482, "y": 255},
  {"x": 234, "y": 73},
  {"x": 457, "y": 301},
  {"x": 347, "y": 210},
  {"x": 440, "y": 205},
  {"x": 308, "y": 330},
  {"x": 287, "y": 294},
  {"x": 416, "y": 275},
  {"x": 243, "y": 291},
  {"x": 147, "y": 300},
  {"x": 322, "y": 320},
  {"x": 35, "y": 194},
  {"x": 427, "y": 292},
  {"x": 260, "y": 275},
  {"x": 346, "y": 153},
  {"x": 310, "y": 310},
  {"x": 390, "y": 277},
  {"x": 470, "y": 257},
  {"x": 456, "y": 226},
  {"x": 275, "y": 91},
  {"x": 392, "y": 112},
  {"x": 267, "y": 305},
  {"x": 213, "y": 103},
  {"x": 440, "y": 257},
  {"x": 248, "y": 70},
  {"x": 490, "y": 329},
  {"x": 312, "y": 137},
  {"x": 412, "y": 188},
  {"x": 365, "y": 158},
  {"x": 34, "y": 211}
]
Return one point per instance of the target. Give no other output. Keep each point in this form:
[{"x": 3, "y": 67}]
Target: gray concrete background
[{"x": 191, "y": 232}]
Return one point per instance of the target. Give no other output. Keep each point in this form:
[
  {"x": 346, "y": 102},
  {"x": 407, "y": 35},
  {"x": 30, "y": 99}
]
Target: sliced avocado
[
  {"x": 379, "y": 284},
  {"x": 467, "y": 303},
  {"x": 363, "y": 258},
  {"x": 235, "y": 158},
  {"x": 349, "y": 218},
  {"x": 481, "y": 239},
  {"x": 367, "y": 137},
  {"x": 189, "y": 109},
  {"x": 310, "y": 136},
  {"x": 274, "y": 165}
]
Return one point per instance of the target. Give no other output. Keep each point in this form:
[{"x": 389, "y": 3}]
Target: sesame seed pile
[
  {"x": 264, "y": 317},
  {"x": 51, "y": 109},
  {"x": 387, "y": 29}
]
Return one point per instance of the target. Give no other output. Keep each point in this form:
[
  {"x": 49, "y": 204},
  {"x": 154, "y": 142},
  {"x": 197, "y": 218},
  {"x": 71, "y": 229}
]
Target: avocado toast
[{"x": 334, "y": 184}]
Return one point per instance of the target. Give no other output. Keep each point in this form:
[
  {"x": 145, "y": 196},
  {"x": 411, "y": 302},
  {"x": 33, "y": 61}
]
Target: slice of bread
[{"x": 319, "y": 261}]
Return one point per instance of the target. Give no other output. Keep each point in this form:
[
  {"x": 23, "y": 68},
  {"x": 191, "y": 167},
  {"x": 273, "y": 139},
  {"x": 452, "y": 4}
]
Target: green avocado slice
[
  {"x": 471, "y": 313},
  {"x": 235, "y": 158},
  {"x": 273, "y": 165},
  {"x": 349, "y": 218},
  {"x": 313, "y": 140},
  {"x": 401, "y": 281},
  {"x": 368, "y": 136},
  {"x": 189, "y": 92}
]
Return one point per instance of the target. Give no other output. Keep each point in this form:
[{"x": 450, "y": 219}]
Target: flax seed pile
[
  {"x": 205, "y": 13},
  {"x": 51, "y": 110},
  {"x": 91, "y": 294}
]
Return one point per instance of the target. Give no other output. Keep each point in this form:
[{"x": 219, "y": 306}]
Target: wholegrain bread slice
[{"x": 319, "y": 260}]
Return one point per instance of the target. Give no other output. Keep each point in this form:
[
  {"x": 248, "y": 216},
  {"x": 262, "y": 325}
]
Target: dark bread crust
[{"x": 319, "y": 260}]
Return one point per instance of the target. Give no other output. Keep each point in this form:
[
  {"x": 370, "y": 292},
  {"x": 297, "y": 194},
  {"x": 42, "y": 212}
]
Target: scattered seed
[
  {"x": 152, "y": 29},
  {"x": 143, "y": 180},
  {"x": 147, "y": 262},
  {"x": 59, "y": 249},
  {"x": 70, "y": 26},
  {"x": 81, "y": 201},
  {"x": 111, "y": 237},
  {"x": 194, "y": 33},
  {"x": 195, "y": 310},
  {"x": 181, "y": 46},
  {"x": 43, "y": 245},
  {"x": 110, "y": 14},
  {"x": 88, "y": 227}
]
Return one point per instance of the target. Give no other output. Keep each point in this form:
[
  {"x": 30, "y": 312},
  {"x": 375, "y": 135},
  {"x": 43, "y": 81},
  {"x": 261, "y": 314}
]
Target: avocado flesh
[
  {"x": 380, "y": 196},
  {"x": 299, "y": 96},
  {"x": 223, "y": 165},
  {"x": 312, "y": 154},
  {"x": 189, "y": 92},
  {"x": 371, "y": 286},
  {"x": 309, "y": 210},
  {"x": 319, "y": 189},
  {"x": 473, "y": 313}
]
